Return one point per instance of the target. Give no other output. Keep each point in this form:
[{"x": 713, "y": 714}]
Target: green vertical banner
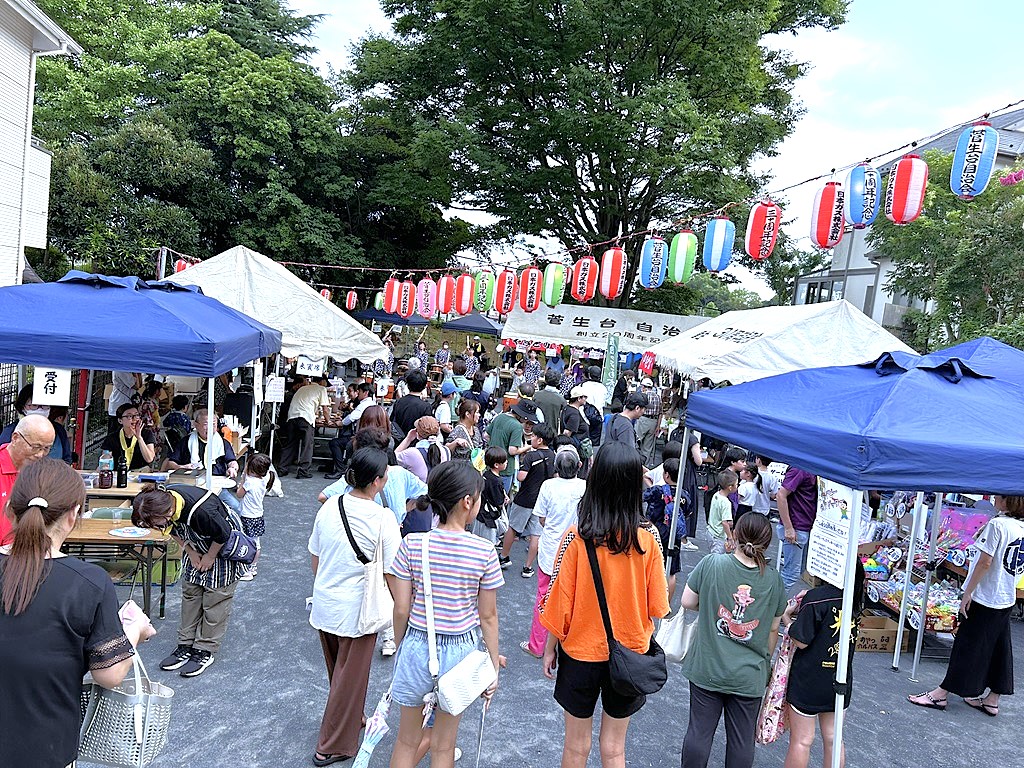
[{"x": 610, "y": 374}]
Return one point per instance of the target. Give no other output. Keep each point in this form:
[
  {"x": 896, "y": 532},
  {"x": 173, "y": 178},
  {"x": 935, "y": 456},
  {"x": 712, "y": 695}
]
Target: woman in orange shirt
[{"x": 633, "y": 571}]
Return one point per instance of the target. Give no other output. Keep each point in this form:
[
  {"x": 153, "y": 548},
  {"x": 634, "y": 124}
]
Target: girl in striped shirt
[{"x": 465, "y": 576}]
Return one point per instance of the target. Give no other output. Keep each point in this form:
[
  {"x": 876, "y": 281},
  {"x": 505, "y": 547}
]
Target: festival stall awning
[
  {"x": 474, "y": 323},
  {"x": 590, "y": 326},
  {"x": 753, "y": 343},
  {"x": 127, "y": 324},
  {"x": 387, "y": 318},
  {"x": 901, "y": 422},
  {"x": 260, "y": 287}
]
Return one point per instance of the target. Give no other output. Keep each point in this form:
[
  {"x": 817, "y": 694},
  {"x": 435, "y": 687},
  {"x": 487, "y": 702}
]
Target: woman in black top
[
  {"x": 58, "y": 620},
  {"x": 133, "y": 442}
]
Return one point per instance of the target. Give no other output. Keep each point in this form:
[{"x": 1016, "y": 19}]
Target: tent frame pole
[
  {"x": 915, "y": 530},
  {"x": 211, "y": 430},
  {"x": 671, "y": 548},
  {"x": 933, "y": 544},
  {"x": 846, "y": 626}
]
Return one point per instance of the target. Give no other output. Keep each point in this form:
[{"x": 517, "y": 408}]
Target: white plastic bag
[{"x": 676, "y": 637}]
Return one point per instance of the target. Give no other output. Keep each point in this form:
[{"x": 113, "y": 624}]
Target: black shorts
[{"x": 578, "y": 684}]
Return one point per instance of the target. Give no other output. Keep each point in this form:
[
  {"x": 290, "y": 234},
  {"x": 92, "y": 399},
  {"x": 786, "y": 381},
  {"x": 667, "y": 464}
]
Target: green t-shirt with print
[
  {"x": 737, "y": 607},
  {"x": 506, "y": 430}
]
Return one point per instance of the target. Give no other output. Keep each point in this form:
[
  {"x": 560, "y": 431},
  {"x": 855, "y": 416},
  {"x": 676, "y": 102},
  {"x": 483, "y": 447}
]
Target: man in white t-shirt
[
  {"x": 595, "y": 391},
  {"x": 125, "y": 387},
  {"x": 297, "y": 453}
]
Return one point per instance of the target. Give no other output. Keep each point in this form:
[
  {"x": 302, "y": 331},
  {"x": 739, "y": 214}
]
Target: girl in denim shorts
[{"x": 465, "y": 576}]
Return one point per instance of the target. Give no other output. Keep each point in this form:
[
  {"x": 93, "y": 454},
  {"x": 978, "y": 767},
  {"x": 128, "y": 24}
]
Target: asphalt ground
[{"x": 259, "y": 705}]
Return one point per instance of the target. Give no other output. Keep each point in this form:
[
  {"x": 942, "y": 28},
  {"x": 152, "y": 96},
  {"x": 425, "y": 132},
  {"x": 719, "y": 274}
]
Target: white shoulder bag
[
  {"x": 377, "y": 607},
  {"x": 676, "y": 637},
  {"x": 464, "y": 683}
]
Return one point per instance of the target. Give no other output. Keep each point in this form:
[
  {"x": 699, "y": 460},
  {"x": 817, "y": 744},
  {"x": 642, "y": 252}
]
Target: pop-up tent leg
[
  {"x": 915, "y": 531},
  {"x": 846, "y": 627},
  {"x": 932, "y": 546}
]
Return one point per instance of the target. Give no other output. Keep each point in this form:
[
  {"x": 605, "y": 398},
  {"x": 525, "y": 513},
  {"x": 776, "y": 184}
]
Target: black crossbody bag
[{"x": 632, "y": 674}]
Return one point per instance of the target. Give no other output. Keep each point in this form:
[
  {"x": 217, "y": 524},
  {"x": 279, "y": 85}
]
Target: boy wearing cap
[{"x": 535, "y": 467}]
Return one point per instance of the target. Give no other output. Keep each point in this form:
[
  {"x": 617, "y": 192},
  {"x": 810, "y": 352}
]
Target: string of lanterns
[{"x": 855, "y": 202}]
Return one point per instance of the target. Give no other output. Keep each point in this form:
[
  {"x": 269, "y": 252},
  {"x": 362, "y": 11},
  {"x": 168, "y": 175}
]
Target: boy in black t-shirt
[
  {"x": 535, "y": 467},
  {"x": 493, "y": 499}
]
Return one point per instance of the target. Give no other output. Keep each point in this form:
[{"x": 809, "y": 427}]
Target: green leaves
[
  {"x": 582, "y": 120},
  {"x": 965, "y": 258}
]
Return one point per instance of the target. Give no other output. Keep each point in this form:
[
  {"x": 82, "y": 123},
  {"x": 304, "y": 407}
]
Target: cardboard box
[{"x": 877, "y": 633}]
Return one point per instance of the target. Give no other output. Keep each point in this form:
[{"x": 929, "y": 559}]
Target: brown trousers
[
  {"x": 348, "y": 671},
  {"x": 204, "y": 615}
]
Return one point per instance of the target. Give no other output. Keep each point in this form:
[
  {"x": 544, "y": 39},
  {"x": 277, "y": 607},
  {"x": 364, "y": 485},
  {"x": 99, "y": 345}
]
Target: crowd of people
[{"x": 428, "y": 506}]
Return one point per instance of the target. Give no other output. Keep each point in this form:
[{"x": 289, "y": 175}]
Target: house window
[{"x": 812, "y": 293}]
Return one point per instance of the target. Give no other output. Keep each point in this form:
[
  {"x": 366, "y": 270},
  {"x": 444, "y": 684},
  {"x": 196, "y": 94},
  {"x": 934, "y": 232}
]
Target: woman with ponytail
[
  {"x": 339, "y": 581},
  {"x": 58, "y": 620},
  {"x": 740, "y": 601},
  {"x": 465, "y": 577}
]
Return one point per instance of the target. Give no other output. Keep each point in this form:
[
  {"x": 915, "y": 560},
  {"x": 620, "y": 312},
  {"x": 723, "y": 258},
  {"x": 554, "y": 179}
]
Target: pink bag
[{"x": 773, "y": 719}]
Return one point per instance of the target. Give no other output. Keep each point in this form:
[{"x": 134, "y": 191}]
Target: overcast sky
[{"x": 897, "y": 71}]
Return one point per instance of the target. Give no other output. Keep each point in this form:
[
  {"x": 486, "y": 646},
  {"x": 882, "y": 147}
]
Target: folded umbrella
[{"x": 376, "y": 727}]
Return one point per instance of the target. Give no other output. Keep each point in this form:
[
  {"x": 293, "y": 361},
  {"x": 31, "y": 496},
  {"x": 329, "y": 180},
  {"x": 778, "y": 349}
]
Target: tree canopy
[
  {"x": 583, "y": 120},
  {"x": 965, "y": 258},
  {"x": 200, "y": 125}
]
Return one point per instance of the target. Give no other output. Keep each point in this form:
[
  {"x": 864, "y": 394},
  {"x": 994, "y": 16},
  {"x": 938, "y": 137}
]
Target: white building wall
[{"x": 16, "y": 36}]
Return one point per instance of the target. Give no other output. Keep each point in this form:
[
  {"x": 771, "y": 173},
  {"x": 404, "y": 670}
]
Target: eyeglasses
[
  {"x": 32, "y": 446},
  {"x": 131, "y": 416}
]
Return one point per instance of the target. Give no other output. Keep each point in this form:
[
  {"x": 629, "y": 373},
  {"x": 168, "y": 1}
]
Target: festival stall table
[
  {"x": 889, "y": 425},
  {"x": 93, "y": 539}
]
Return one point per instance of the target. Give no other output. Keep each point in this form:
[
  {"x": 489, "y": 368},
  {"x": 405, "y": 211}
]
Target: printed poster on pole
[{"x": 826, "y": 556}]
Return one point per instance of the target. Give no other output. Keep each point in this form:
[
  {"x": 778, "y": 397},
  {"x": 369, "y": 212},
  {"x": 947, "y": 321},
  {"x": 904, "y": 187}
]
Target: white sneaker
[
  {"x": 688, "y": 545},
  {"x": 388, "y": 648},
  {"x": 458, "y": 754}
]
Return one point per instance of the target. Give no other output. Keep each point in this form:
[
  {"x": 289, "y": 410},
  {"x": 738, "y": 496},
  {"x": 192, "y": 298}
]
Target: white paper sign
[
  {"x": 308, "y": 366},
  {"x": 275, "y": 389},
  {"x": 51, "y": 386},
  {"x": 826, "y": 556}
]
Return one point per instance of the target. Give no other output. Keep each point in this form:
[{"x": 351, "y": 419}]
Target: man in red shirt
[{"x": 30, "y": 442}]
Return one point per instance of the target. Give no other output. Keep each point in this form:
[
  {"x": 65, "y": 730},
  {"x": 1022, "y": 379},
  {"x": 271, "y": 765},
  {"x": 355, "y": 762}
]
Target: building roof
[
  {"x": 1009, "y": 125},
  {"x": 48, "y": 37}
]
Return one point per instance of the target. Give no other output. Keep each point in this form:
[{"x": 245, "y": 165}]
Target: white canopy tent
[
  {"x": 266, "y": 291},
  {"x": 754, "y": 343}
]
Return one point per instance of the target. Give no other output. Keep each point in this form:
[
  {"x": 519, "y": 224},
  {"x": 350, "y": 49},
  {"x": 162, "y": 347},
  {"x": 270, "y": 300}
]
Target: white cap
[{"x": 646, "y": 382}]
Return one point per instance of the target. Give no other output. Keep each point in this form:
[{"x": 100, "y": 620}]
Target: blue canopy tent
[
  {"x": 380, "y": 316},
  {"x": 127, "y": 324},
  {"x": 901, "y": 422},
  {"x": 474, "y": 322}
]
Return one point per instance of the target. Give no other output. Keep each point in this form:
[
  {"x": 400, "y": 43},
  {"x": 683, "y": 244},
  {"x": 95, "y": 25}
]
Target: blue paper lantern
[
  {"x": 974, "y": 160},
  {"x": 653, "y": 262},
  {"x": 718, "y": 242},
  {"x": 863, "y": 187}
]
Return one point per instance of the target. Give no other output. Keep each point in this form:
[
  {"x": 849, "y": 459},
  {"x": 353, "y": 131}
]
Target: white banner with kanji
[{"x": 590, "y": 326}]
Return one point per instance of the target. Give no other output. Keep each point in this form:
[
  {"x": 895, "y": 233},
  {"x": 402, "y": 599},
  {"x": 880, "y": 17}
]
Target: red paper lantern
[
  {"x": 613, "y": 273},
  {"x": 530, "y": 284},
  {"x": 407, "y": 299},
  {"x": 392, "y": 295},
  {"x": 583, "y": 284},
  {"x": 505, "y": 291},
  {"x": 351, "y": 299},
  {"x": 326, "y": 293},
  {"x": 904, "y": 195},
  {"x": 180, "y": 265},
  {"x": 465, "y": 288},
  {"x": 445, "y": 294},
  {"x": 762, "y": 229},
  {"x": 827, "y": 217}
]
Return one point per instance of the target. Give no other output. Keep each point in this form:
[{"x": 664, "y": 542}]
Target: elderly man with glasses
[
  {"x": 136, "y": 444},
  {"x": 31, "y": 441}
]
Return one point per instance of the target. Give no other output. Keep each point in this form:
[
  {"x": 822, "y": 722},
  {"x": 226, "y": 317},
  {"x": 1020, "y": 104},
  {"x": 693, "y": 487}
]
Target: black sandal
[
  {"x": 992, "y": 710},
  {"x": 329, "y": 759},
  {"x": 939, "y": 704}
]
